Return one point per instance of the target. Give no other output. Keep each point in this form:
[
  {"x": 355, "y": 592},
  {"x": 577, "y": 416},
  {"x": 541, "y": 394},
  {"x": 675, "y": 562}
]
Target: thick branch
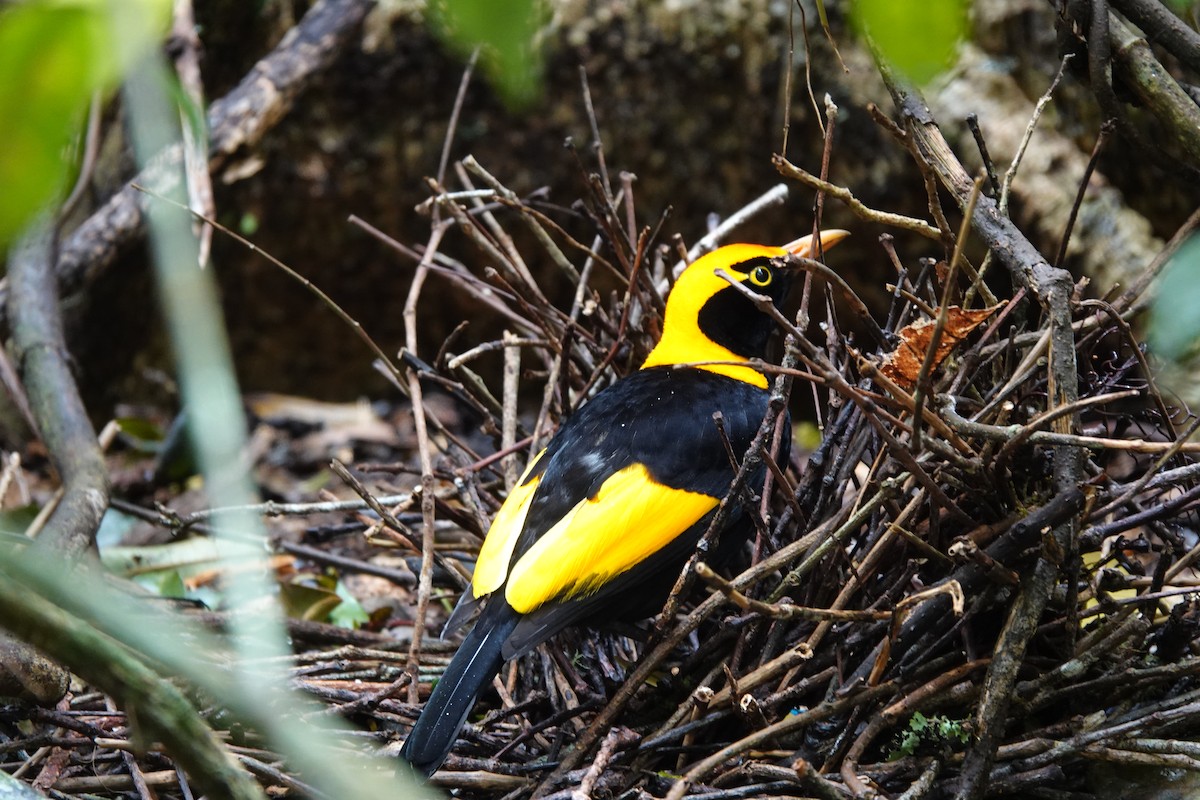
[
  {"x": 1154, "y": 86},
  {"x": 41, "y": 354},
  {"x": 1163, "y": 27},
  {"x": 1022, "y": 259}
]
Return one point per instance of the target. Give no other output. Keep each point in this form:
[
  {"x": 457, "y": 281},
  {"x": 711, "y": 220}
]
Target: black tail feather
[{"x": 477, "y": 661}]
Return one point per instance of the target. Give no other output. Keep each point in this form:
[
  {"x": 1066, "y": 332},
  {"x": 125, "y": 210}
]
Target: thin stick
[
  {"x": 939, "y": 325},
  {"x": 917, "y": 226},
  {"x": 989, "y": 167},
  {"x": 774, "y": 196},
  {"x": 452, "y": 126},
  {"x": 424, "y": 448},
  {"x": 1043, "y": 101},
  {"x": 1004, "y": 433},
  {"x": 512, "y": 378},
  {"x": 1101, "y": 139},
  {"x": 597, "y": 142}
]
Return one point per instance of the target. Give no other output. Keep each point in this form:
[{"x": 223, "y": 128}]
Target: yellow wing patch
[
  {"x": 628, "y": 520},
  {"x": 491, "y": 568}
]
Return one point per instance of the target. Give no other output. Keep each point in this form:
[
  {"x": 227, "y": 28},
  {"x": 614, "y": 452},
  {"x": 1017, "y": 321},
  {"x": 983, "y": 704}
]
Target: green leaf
[
  {"x": 350, "y": 613},
  {"x": 53, "y": 57},
  {"x": 248, "y": 224},
  {"x": 917, "y": 37},
  {"x": 171, "y": 585},
  {"x": 1174, "y": 330},
  {"x": 505, "y": 32},
  {"x": 15, "y": 521}
]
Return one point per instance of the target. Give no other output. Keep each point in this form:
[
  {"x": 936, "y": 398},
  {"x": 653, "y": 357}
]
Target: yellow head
[{"x": 709, "y": 320}]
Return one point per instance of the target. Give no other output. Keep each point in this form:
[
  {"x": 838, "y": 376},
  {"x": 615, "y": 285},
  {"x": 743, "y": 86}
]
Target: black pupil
[{"x": 761, "y": 275}]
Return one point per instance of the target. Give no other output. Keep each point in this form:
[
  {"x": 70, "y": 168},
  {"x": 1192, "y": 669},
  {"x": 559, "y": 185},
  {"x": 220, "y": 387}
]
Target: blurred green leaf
[
  {"x": 171, "y": 585},
  {"x": 1175, "y": 314},
  {"x": 350, "y": 613},
  {"x": 918, "y": 37},
  {"x": 15, "y": 521},
  {"x": 806, "y": 435},
  {"x": 248, "y": 224},
  {"x": 53, "y": 56},
  {"x": 505, "y": 33}
]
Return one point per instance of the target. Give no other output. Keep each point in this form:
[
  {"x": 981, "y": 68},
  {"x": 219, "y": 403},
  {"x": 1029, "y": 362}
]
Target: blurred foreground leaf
[
  {"x": 504, "y": 32},
  {"x": 1175, "y": 313},
  {"x": 53, "y": 57},
  {"x": 917, "y": 37}
]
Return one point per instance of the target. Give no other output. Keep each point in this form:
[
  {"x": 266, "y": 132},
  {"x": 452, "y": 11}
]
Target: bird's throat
[{"x": 691, "y": 348}]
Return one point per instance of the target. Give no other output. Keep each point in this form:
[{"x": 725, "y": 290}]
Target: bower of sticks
[{"x": 976, "y": 582}]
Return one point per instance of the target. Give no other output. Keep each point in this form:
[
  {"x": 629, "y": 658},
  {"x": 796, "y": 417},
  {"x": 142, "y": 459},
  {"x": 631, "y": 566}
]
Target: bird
[{"x": 603, "y": 518}]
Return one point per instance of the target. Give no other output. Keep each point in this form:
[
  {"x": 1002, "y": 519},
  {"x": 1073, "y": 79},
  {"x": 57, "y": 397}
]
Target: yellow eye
[{"x": 760, "y": 276}]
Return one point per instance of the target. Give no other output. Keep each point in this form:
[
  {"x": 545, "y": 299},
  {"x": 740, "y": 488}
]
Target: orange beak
[{"x": 806, "y": 246}]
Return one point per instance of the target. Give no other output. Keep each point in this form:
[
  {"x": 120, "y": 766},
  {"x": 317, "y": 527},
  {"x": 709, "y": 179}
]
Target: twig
[
  {"x": 425, "y": 451},
  {"x": 988, "y": 166},
  {"x": 784, "y": 726},
  {"x": 768, "y": 199},
  {"x": 1043, "y": 101},
  {"x": 597, "y": 142},
  {"x": 782, "y": 610},
  {"x": 317, "y": 556},
  {"x": 917, "y": 226},
  {"x": 1101, "y": 139},
  {"x": 939, "y": 325},
  {"x": 1005, "y": 433},
  {"x": 614, "y": 740},
  {"x": 532, "y": 220},
  {"x": 452, "y": 125},
  {"x": 508, "y": 436}
]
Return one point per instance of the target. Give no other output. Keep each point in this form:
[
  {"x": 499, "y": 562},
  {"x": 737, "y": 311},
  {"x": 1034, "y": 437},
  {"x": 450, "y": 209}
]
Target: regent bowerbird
[{"x": 602, "y": 520}]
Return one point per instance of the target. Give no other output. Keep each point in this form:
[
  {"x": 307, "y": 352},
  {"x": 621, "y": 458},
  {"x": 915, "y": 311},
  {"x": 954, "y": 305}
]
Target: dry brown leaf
[{"x": 903, "y": 364}]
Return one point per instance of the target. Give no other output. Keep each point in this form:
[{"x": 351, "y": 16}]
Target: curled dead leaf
[{"x": 903, "y": 365}]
